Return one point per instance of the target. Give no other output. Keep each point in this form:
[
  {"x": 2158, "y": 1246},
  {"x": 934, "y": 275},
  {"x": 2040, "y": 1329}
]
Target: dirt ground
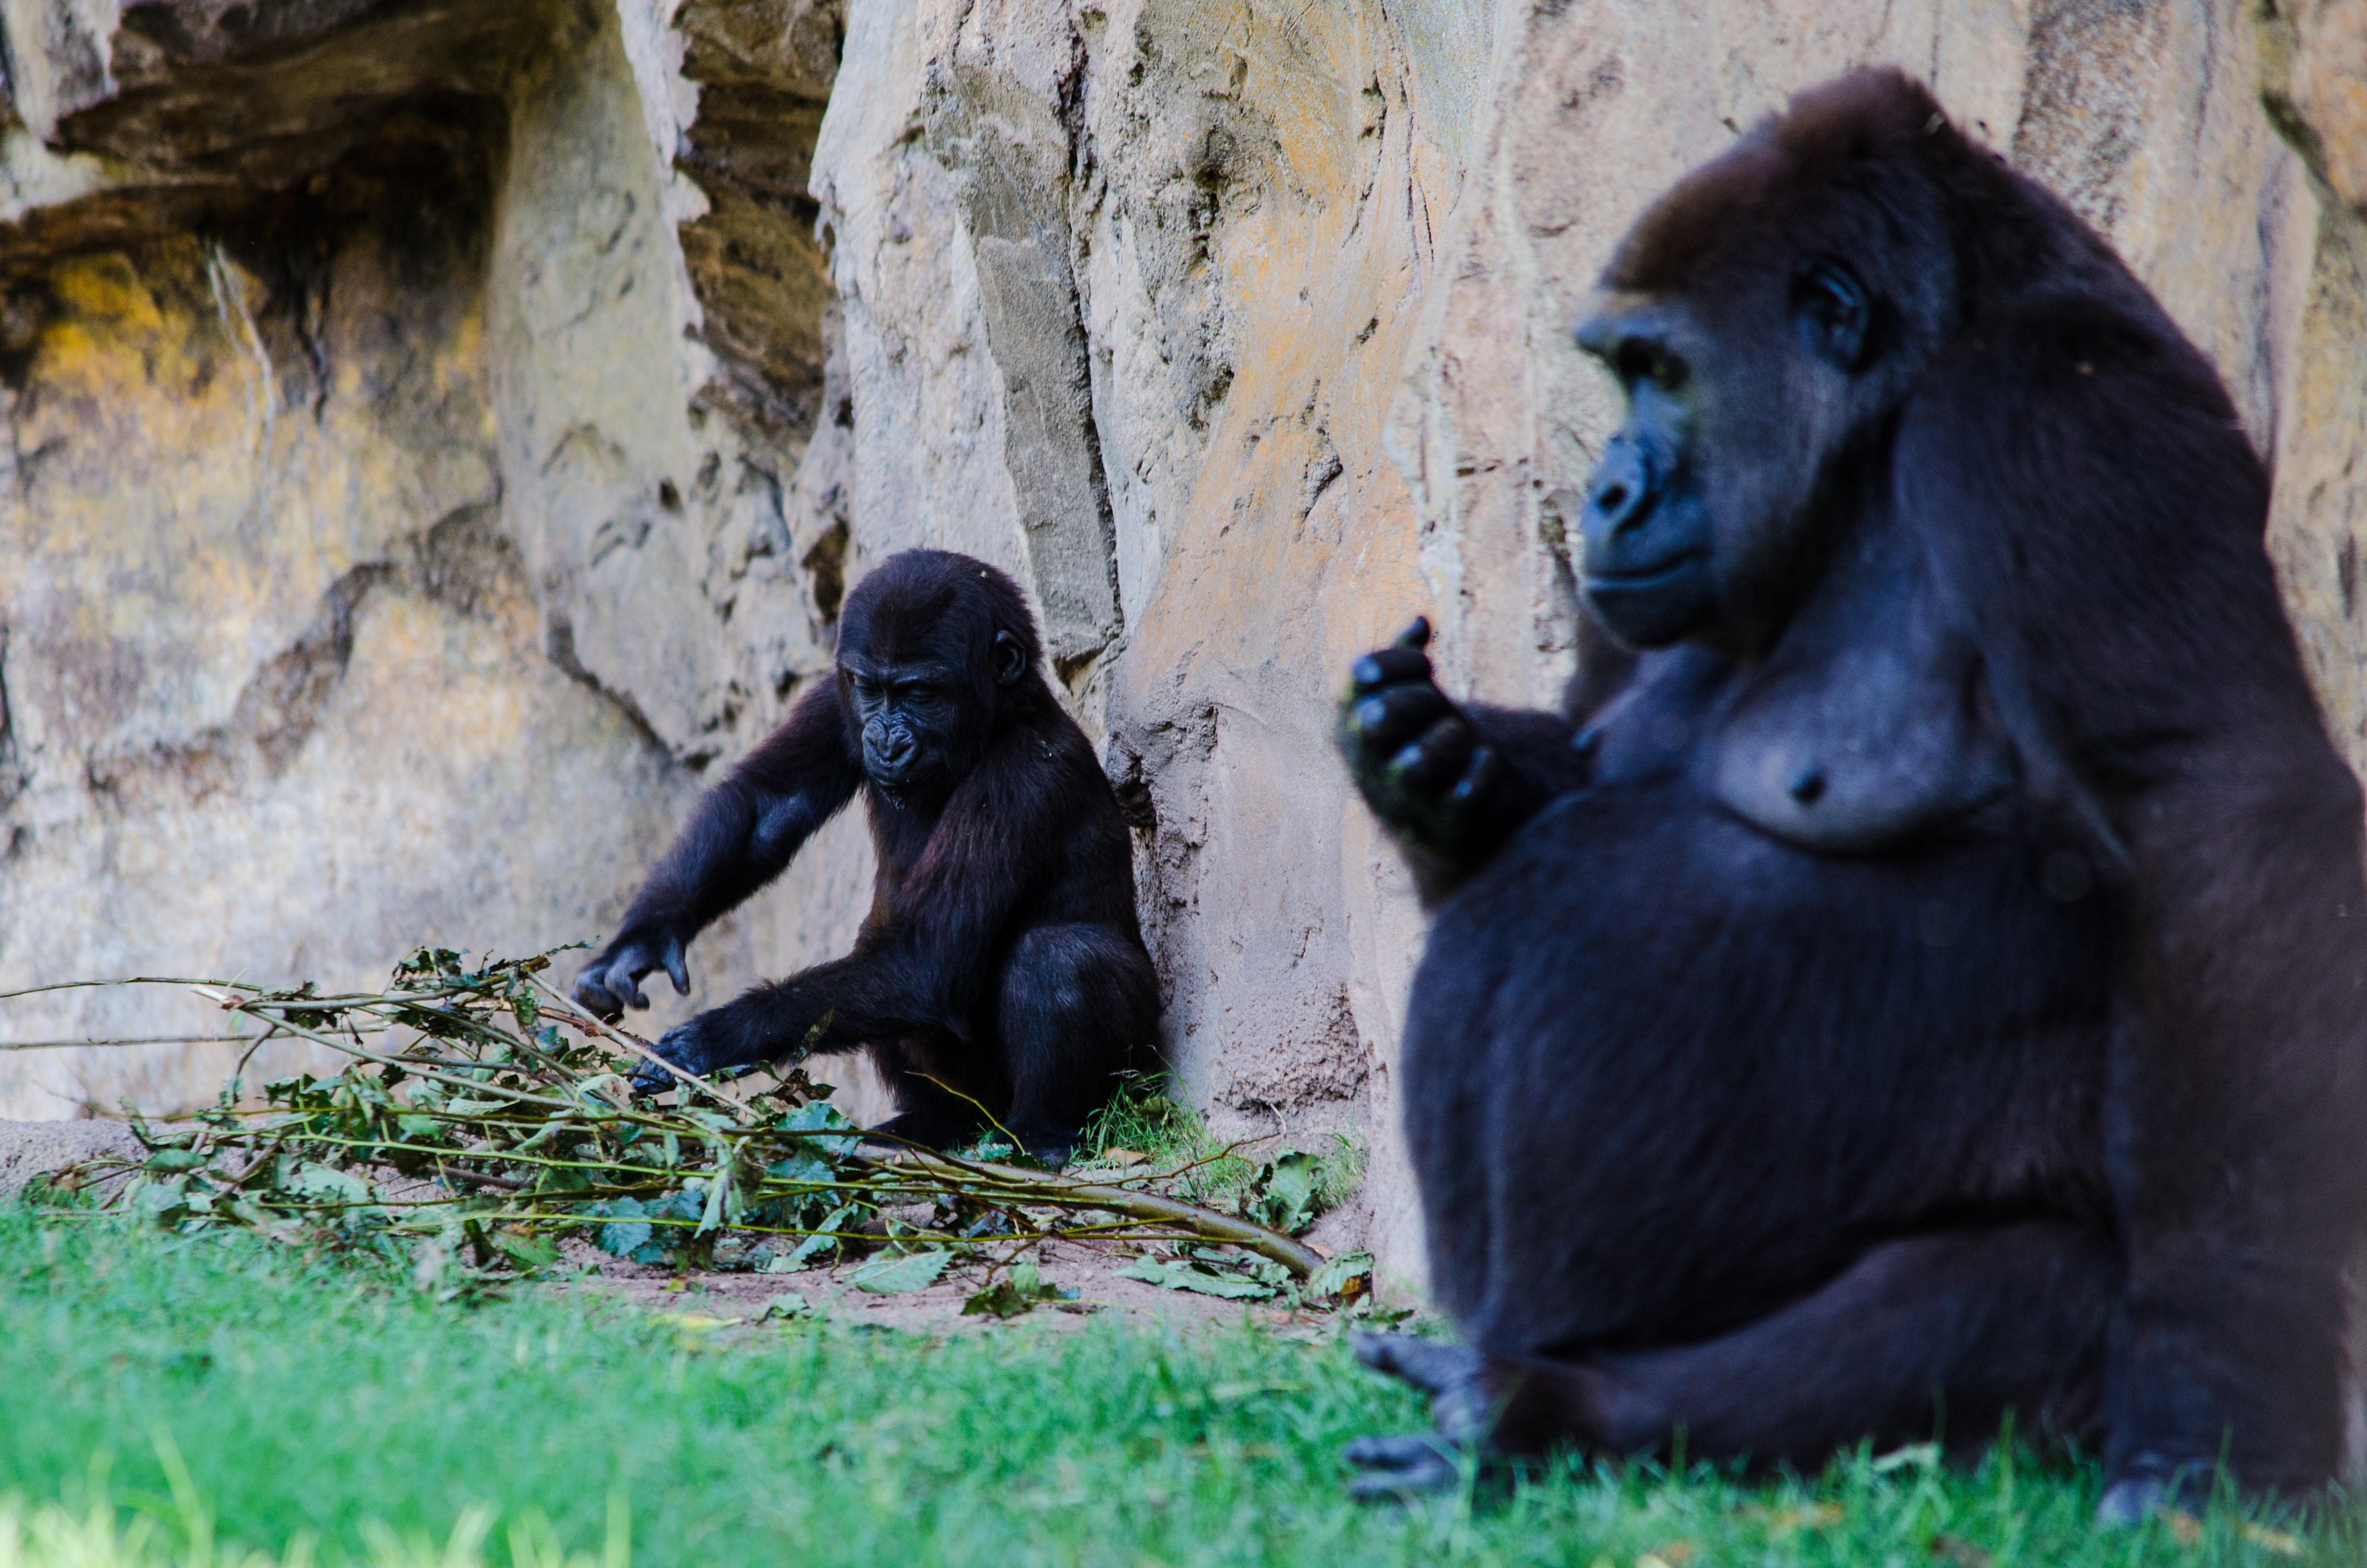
[
  {"x": 717, "y": 1303},
  {"x": 32, "y": 1149},
  {"x": 722, "y": 1304}
]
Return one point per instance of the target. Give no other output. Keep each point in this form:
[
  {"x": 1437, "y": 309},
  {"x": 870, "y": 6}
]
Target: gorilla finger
[
  {"x": 1417, "y": 636},
  {"x": 676, "y": 970},
  {"x": 1386, "y": 667},
  {"x": 1434, "y": 1369},
  {"x": 1397, "y": 1468},
  {"x": 1438, "y": 756},
  {"x": 1481, "y": 778},
  {"x": 592, "y": 995},
  {"x": 1398, "y": 1451},
  {"x": 1395, "y": 716}
]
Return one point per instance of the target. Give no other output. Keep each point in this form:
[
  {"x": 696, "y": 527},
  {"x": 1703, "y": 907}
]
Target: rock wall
[{"x": 442, "y": 432}]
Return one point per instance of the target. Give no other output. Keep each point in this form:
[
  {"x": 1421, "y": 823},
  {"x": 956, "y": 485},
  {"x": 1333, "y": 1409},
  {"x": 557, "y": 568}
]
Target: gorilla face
[
  {"x": 1648, "y": 545},
  {"x": 1681, "y": 537},
  {"x": 923, "y": 717}
]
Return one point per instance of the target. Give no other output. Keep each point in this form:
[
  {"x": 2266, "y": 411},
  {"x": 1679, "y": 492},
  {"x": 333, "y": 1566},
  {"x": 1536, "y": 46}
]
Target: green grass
[
  {"x": 1145, "y": 1118},
  {"x": 324, "y": 1406}
]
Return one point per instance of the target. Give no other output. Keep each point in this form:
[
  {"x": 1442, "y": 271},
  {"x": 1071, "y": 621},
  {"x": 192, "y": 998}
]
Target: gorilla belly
[{"x": 1665, "y": 1073}]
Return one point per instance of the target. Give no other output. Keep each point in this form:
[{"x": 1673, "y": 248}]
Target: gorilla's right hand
[
  {"x": 612, "y": 981},
  {"x": 1420, "y": 762}
]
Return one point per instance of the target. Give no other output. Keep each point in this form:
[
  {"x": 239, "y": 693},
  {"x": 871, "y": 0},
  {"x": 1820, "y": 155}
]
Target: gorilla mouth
[{"x": 1652, "y": 576}]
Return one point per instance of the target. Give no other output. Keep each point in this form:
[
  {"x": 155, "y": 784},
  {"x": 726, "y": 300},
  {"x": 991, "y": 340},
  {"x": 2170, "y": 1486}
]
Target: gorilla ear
[
  {"x": 1830, "y": 308},
  {"x": 1009, "y": 658}
]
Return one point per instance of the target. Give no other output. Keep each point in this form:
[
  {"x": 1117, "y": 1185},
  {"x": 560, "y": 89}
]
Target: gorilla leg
[
  {"x": 1077, "y": 1002},
  {"x": 930, "y": 1110},
  {"x": 1942, "y": 1334}
]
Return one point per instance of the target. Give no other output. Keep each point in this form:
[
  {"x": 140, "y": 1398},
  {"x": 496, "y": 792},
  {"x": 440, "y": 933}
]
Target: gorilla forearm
[
  {"x": 839, "y": 1005},
  {"x": 745, "y": 832}
]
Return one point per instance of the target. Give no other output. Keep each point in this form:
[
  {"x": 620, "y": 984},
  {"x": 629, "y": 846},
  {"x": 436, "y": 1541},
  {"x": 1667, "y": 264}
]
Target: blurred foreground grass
[{"x": 217, "y": 1403}]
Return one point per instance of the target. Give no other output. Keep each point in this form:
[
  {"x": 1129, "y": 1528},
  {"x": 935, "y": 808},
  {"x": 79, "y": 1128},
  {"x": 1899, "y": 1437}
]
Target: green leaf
[
  {"x": 527, "y": 1252},
  {"x": 327, "y": 1184},
  {"x": 1016, "y": 1293},
  {"x": 1176, "y": 1275},
  {"x": 798, "y": 1168},
  {"x": 894, "y": 1275},
  {"x": 819, "y": 1116},
  {"x": 710, "y": 1215},
  {"x": 783, "y": 1304},
  {"x": 1344, "y": 1278},
  {"x": 625, "y": 1229},
  {"x": 813, "y": 1244},
  {"x": 1282, "y": 1193},
  {"x": 176, "y": 1160}
]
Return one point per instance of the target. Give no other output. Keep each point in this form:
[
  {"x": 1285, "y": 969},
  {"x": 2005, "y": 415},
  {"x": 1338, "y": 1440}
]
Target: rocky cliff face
[{"x": 441, "y": 433}]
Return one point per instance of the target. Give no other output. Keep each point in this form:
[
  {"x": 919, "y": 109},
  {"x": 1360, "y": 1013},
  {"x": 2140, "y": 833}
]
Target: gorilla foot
[
  {"x": 1455, "y": 1377},
  {"x": 2150, "y": 1484},
  {"x": 921, "y": 1129},
  {"x": 1051, "y": 1148},
  {"x": 1398, "y": 1469}
]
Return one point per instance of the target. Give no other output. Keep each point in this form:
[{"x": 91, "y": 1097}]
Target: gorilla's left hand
[{"x": 702, "y": 1044}]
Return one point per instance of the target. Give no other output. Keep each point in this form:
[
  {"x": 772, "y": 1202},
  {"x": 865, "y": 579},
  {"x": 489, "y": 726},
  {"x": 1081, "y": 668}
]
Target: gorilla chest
[{"x": 1867, "y": 726}]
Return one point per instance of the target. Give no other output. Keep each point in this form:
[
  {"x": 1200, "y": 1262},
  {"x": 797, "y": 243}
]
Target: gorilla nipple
[{"x": 1809, "y": 786}]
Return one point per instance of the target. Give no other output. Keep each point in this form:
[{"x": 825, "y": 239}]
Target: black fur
[
  {"x": 1926, "y": 987},
  {"x": 1001, "y": 960}
]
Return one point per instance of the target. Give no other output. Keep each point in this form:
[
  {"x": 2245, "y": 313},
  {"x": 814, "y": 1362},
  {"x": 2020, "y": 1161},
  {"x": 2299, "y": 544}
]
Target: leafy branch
[{"x": 482, "y": 1118}]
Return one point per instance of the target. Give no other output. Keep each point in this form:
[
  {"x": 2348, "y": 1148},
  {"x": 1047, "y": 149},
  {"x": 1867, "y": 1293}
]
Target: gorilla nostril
[{"x": 1612, "y": 499}]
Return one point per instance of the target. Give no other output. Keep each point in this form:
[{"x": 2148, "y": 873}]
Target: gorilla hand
[
  {"x": 612, "y": 981},
  {"x": 703, "y": 1044},
  {"x": 1421, "y": 765}
]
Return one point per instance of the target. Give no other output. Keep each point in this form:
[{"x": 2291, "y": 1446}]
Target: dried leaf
[
  {"x": 1173, "y": 1274},
  {"x": 900, "y": 1274}
]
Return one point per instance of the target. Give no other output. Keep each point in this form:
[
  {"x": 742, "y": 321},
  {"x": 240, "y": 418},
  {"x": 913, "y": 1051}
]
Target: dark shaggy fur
[
  {"x": 1928, "y": 986},
  {"x": 1001, "y": 960}
]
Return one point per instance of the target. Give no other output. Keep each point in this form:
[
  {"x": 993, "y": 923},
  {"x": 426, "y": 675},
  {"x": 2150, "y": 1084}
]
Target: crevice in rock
[
  {"x": 761, "y": 273},
  {"x": 276, "y": 711},
  {"x": 14, "y": 775},
  {"x": 558, "y": 646}
]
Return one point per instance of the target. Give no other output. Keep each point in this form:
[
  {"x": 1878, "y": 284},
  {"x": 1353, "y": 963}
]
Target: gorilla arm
[
  {"x": 925, "y": 966},
  {"x": 743, "y": 833},
  {"x": 2093, "y": 509}
]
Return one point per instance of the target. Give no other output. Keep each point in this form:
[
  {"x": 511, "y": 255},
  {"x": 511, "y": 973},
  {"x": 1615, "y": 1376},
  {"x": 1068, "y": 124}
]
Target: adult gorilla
[
  {"x": 1927, "y": 984},
  {"x": 1002, "y": 965}
]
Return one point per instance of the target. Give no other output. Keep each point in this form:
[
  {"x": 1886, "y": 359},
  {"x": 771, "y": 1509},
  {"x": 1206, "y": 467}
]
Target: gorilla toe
[{"x": 1397, "y": 1469}]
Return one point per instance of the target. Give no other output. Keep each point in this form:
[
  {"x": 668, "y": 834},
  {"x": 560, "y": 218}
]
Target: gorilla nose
[
  {"x": 1621, "y": 492},
  {"x": 895, "y": 748}
]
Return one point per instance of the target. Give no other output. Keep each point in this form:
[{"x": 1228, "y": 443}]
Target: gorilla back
[{"x": 1921, "y": 982}]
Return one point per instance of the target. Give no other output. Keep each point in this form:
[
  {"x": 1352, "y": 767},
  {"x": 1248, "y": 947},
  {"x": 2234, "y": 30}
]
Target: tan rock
[{"x": 431, "y": 460}]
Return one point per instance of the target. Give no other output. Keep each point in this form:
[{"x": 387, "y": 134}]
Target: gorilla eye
[
  {"x": 1833, "y": 314},
  {"x": 1639, "y": 361}
]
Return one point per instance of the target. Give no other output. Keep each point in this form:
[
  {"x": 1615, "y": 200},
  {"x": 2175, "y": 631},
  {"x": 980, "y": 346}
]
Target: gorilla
[
  {"x": 1001, "y": 970},
  {"x": 1918, "y": 979}
]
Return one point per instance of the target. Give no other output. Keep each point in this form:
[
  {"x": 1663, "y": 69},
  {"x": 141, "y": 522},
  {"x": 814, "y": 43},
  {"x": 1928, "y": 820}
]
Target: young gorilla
[
  {"x": 1925, "y": 985},
  {"x": 1000, "y": 961}
]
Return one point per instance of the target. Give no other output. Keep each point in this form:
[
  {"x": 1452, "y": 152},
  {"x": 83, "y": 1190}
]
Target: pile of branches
[{"x": 484, "y": 1118}]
